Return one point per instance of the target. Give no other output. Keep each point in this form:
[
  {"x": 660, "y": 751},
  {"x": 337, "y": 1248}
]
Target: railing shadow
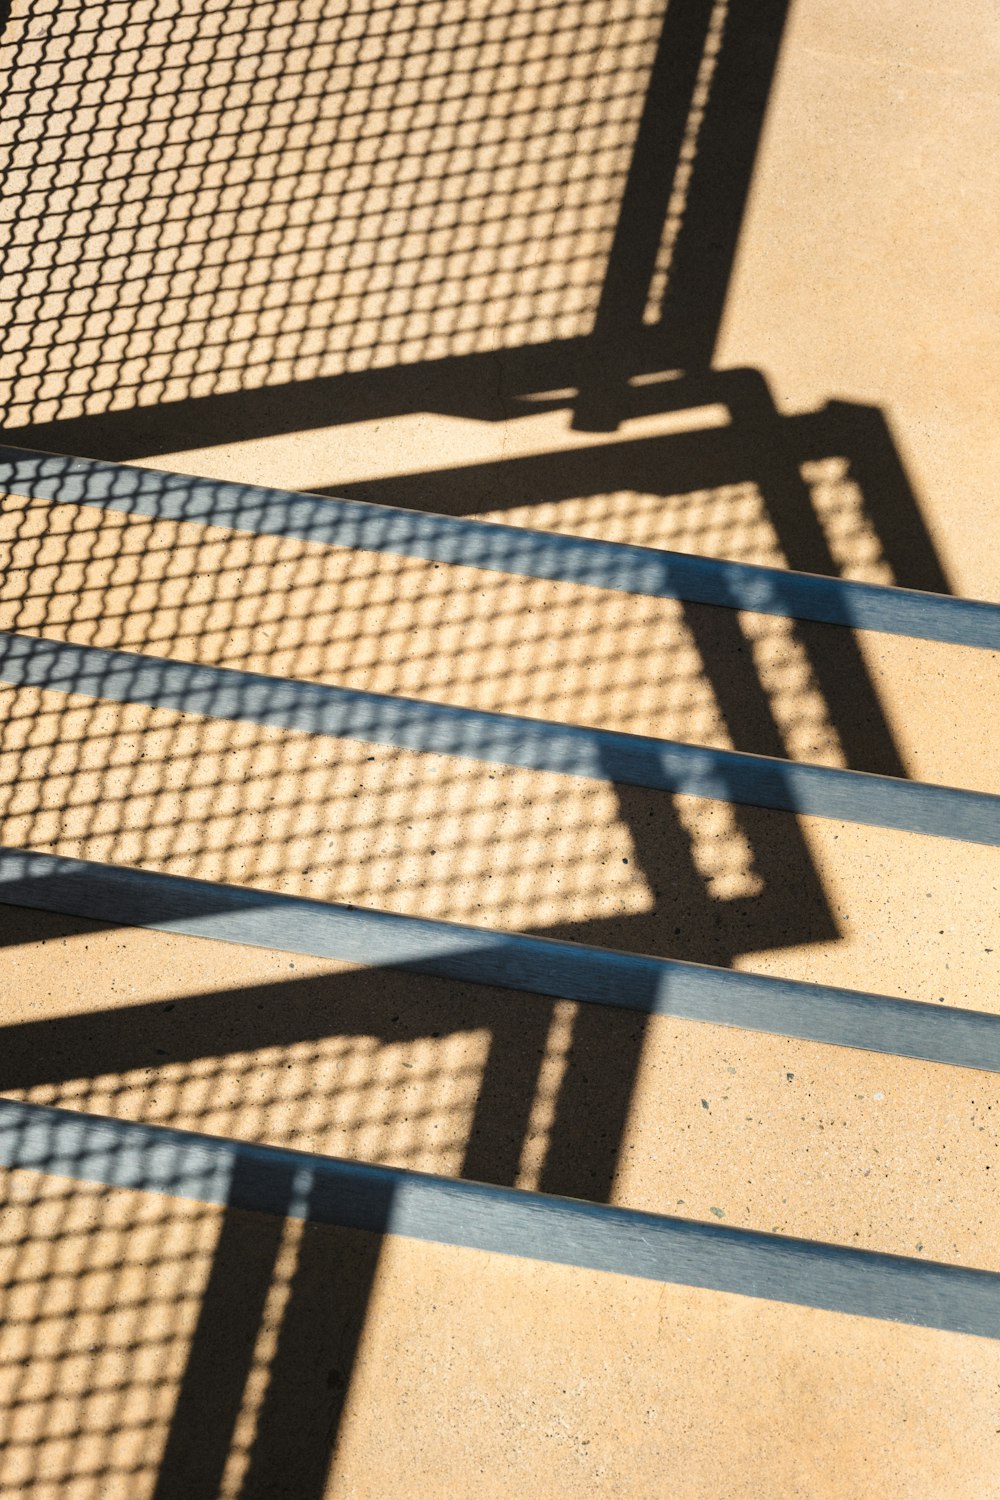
[{"x": 357, "y": 215}]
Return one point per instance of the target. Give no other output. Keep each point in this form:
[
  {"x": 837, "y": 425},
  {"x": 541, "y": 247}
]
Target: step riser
[{"x": 650, "y": 986}]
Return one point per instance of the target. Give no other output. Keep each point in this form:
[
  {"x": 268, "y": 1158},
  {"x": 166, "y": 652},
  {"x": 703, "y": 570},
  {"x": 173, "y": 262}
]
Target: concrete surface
[
  {"x": 246, "y": 240},
  {"x": 501, "y": 1374}
]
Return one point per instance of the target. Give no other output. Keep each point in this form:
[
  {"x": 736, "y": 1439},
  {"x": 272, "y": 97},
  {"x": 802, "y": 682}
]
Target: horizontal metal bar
[
  {"x": 620, "y": 567},
  {"x": 544, "y": 966},
  {"x": 533, "y": 1226},
  {"x": 441, "y": 729}
]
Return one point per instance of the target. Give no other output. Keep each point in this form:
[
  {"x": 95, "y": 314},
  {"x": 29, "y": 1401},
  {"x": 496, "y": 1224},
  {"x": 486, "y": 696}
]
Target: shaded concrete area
[{"x": 704, "y": 277}]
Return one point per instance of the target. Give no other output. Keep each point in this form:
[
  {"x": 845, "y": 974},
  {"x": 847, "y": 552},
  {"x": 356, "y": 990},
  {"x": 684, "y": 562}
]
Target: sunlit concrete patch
[
  {"x": 911, "y": 920},
  {"x": 884, "y": 1153},
  {"x": 940, "y": 705},
  {"x": 863, "y": 270},
  {"x": 638, "y": 1384}
]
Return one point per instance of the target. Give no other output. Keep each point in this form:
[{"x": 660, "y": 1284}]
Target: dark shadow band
[
  {"x": 506, "y": 1221},
  {"x": 616, "y": 566},
  {"x": 504, "y": 739},
  {"x": 517, "y": 961}
]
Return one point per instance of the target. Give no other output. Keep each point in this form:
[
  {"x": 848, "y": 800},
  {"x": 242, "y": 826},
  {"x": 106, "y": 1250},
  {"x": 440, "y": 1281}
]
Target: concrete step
[
  {"x": 546, "y": 866},
  {"x": 723, "y": 1123},
  {"x": 435, "y": 1363}
]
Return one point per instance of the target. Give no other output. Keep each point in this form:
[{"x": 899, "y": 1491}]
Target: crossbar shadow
[{"x": 648, "y": 347}]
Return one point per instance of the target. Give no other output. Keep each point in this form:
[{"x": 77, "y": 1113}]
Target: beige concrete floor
[{"x": 273, "y": 199}]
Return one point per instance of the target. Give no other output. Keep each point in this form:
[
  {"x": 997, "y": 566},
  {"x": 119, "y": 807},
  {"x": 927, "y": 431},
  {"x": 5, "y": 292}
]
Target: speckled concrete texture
[
  {"x": 447, "y": 256},
  {"x": 501, "y": 1374}
]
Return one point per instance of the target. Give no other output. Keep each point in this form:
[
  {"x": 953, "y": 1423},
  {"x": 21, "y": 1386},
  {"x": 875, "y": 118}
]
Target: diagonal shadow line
[
  {"x": 477, "y": 734},
  {"x": 863, "y": 434},
  {"x": 455, "y": 385},
  {"x": 728, "y": 139},
  {"x": 399, "y": 946},
  {"x": 642, "y": 214},
  {"x": 415, "y": 1205},
  {"x": 222, "y": 1345},
  {"x": 406, "y": 529}
]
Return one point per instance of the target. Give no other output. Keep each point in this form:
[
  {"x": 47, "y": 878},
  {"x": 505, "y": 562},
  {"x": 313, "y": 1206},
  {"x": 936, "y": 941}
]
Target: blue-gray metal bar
[
  {"x": 544, "y": 966},
  {"x": 354, "y": 1195},
  {"x": 441, "y": 729},
  {"x": 506, "y": 549}
]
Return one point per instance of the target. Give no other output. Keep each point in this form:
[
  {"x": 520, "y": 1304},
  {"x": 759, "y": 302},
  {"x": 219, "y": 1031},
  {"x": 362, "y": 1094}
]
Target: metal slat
[
  {"x": 327, "y": 1190},
  {"x": 519, "y": 961},
  {"x": 474, "y": 734},
  {"x": 616, "y": 566}
]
